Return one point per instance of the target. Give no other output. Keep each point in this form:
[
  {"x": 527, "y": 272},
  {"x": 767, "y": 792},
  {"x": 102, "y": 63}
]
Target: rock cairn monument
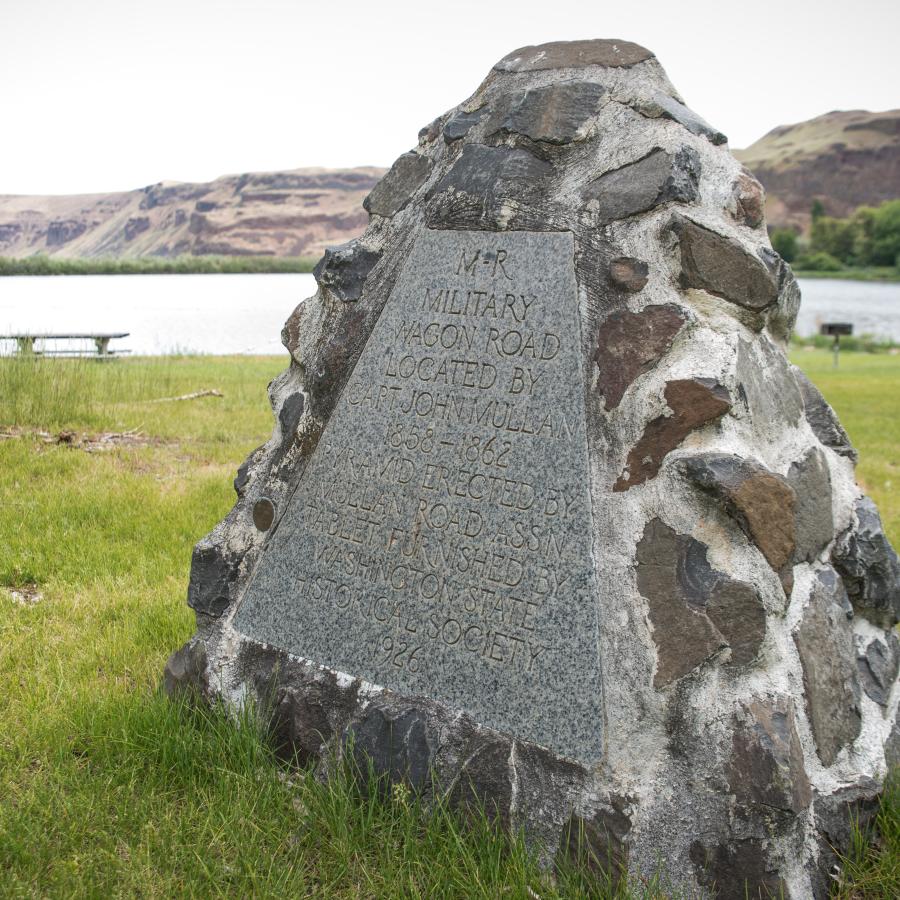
[{"x": 547, "y": 521}]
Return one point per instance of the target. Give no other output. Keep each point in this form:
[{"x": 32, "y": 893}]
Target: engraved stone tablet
[{"x": 439, "y": 543}]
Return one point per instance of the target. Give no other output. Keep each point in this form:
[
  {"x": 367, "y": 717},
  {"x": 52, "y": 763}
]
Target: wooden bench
[{"x": 25, "y": 344}]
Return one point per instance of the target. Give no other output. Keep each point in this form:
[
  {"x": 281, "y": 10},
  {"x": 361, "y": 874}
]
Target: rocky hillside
[
  {"x": 843, "y": 159},
  {"x": 293, "y": 213}
]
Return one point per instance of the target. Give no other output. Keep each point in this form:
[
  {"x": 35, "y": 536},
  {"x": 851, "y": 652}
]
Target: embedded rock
[
  {"x": 185, "y": 671},
  {"x": 629, "y": 274},
  {"x": 814, "y": 520},
  {"x": 837, "y": 817},
  {"x": 761, "y": 502},
  {"x": 822, "y": 420},
  {"x": 574, "y": 55},
  {"x": 344, "y": 270},
  {"x": 436, "y": 571},
  {"x": 749, "y": 201},
  {"x": 630, "y": 344},
  {"x": 695, "y": 611},
  {"x": 767, "y": 767},
  {"x": 214, "y": 570},
  {"x": 645, "y": 184},
  {"x": 767, "y": 385},
  {"x": 555, "y": 114},
  {"x": 459, "y": 123},
  {"x": 396, "y": 189},
  {"x": 718, "y": 265},
  {"x": 879, "y": 666},
  {"x": 662, "y": 105},
  {"x": 869, "y": 566},
  {"x": 737, "y": 870},
  {"x": 825, "y": 643},
  {"x": 599, "y": 844},
  {"x": 694, "y": 402}
]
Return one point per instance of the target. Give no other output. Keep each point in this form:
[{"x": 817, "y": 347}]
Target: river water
[{"x": 244, "y": 313}]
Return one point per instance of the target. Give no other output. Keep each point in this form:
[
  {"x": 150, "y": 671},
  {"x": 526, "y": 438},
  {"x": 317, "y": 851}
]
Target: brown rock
[
  {"x": 694, "y": 402},
  {"x": 629, "y": 273},
  {"x": 630, "y": 344},
  {"x": 761, "y": 502},
  {"x": 766, "y": 766},
  {"x": 737, "y": 611},
  {"x": 573, "y": 55},
  {"x": 683, "y": 633},
  {"x": 714, "y": 263},
  {"x": 749, "y": 201}
]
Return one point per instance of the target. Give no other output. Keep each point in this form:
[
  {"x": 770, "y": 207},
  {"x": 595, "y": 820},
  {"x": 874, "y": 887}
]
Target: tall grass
[
  {"x": 109, "y": 789},
  {"x": 178, "y": 265}
]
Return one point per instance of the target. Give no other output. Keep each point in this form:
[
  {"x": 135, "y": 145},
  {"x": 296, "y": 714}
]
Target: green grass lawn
[{"x": 107, "y": 788}]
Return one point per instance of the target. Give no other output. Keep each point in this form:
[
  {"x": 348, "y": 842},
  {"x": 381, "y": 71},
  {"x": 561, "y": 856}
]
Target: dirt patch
[
  {"x": 25, "y": 595},
  {"x": 90, "y": 443}
]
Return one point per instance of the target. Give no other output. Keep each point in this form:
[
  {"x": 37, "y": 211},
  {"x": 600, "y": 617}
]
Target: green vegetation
[
  {"x": 854, "y": 343},
  {"x": 861, "y": 273},
  {"x": 178, "y": 265},
  {"x": 106, "y": 788},
  {"x": 785, "y": 242},
  {"x": 864, "y": 393},
  {"x": 866, "y": 244}
]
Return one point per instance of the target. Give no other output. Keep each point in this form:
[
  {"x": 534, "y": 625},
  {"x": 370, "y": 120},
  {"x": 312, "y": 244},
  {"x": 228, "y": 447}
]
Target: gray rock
[
  {"x": 814, "y": 519},
  {"x": 879, "y": 665},
  {"x": 768, "y": 386},
  {"x": 459, "y": 124},
  {"x": 766, "y": 766},
  {"x": 825, "y": 642},
  {"x": 665, "y": 106},
  {"x": 869, "y": 566},
  {"x": 397, "y": 747},
  {"x": 487, "y": 171},
  {"x": 714, "y": 263},
  {"x": 629, "y": 274},
  {"x": 629, "y": 344},
  {"x": 343, "y": 270},
  {"x": 783, "y": 315},
  {"x": 485, "y": 782},
  {"x": 378, "y": 564},
  {"x": 574, "y": 55},
  {"x": 408, "y": 173},
  {"x": 892, "y": 745},
  {"x": 822, "y": 419},
  {"x": 214, "y": 570},
  {"x": 643, "y": 185},
  {"x": 555, "y": 114},
  {"x": 185, "y": 672}
]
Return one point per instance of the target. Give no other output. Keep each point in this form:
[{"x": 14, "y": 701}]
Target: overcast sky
[{"x": 103, "y": 95}]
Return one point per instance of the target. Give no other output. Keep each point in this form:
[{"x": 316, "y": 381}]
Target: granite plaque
[{"x": 439, "y": 542}]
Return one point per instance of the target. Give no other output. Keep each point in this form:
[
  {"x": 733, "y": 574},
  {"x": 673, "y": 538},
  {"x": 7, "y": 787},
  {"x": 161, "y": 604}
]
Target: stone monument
[{"x": 547, "y": 521}]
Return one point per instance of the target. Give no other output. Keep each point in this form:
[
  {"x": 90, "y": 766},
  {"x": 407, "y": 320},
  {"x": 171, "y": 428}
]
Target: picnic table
[{"x": 25, "y": 343}]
